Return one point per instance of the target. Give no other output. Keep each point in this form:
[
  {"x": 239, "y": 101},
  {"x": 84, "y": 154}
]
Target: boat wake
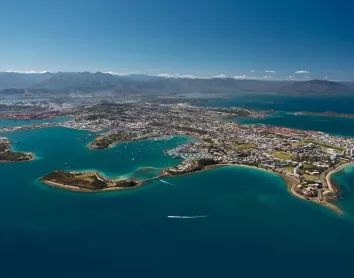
[
  {"x": 187, "y": 217},
  {"x": 166, "y": 182}
]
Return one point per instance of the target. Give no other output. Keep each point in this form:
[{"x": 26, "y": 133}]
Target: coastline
[
  {"x": 331, "y": 186},
  {"x": 14, "y": 161},
  {"x": 86, "y": 190},
  {"x": 79, "y": 189},
  {"x": 324, "y": 114},
  {"x": 289, "y": 181}
]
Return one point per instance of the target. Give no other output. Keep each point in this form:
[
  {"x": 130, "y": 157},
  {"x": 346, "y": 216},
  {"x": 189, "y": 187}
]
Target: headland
[{"x": 7, "y": 155}]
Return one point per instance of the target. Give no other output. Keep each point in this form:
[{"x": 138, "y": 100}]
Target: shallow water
[{"x": 254, "y": 226}]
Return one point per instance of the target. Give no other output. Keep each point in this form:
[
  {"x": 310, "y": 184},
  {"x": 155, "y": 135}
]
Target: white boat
[{"x": 187, "y": 216}]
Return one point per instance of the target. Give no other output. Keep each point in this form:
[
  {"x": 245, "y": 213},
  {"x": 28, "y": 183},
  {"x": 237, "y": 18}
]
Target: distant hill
[
  {"x": 315, "y": 87},
  {"x": 83, "y": 82},
  {"x": 350, "y": 85},
  {"x": 78, "y": 80},
  {"x": 9, "y": 80}
]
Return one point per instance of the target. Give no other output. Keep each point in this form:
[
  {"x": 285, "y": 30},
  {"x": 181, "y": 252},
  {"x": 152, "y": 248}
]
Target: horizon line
[{"x": 182, "y": 76}]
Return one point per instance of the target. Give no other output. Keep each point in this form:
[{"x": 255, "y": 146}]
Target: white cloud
[
  {"x": 167, "y": 75},
  {"x": 116, "y": 73},
  {"x": 219, "y": 76},
  {"x": 26, "y": 72},
  {"x": 252, "y": 71},
  {"x": 240, "y": 77},
  {"x": 190, "y": 76},
  {"x": 252, "y": 77},
  {"x": 270, "y": 71},
  {"x": 302, "y": 71}
]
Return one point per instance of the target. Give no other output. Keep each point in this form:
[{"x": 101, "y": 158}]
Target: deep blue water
[
  {"x": 333, "y": 125},
  {"x": 294, "y": 103},
  {"x": 255, "y": 227}
]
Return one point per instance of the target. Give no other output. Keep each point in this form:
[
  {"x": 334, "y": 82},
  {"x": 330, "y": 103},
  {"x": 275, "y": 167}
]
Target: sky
[{"x": 263, "y": 39}]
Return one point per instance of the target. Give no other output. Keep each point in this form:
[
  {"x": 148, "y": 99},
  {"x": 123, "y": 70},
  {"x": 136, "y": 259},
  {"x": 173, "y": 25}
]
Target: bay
[
  {"x": 286, "y": 105},
  {"x": 7, "y": 123},
  {"x": 332, "y": 125},
  {"x": 253, "y": 226}
]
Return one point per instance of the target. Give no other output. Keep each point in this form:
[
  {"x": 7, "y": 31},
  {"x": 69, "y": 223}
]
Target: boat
[{"x": 187, "y": 216}]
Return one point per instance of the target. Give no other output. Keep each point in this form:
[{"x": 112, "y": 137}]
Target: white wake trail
[
  {"x": 166, "y": 182},
  {"x": 187, "y": 216}
]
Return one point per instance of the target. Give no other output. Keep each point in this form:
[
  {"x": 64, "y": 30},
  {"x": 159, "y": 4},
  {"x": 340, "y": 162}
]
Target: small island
[
  {"x": 86, "y": 181},
  {"x": 7, "y": 155},
  {"x": 110, "y": 140}
]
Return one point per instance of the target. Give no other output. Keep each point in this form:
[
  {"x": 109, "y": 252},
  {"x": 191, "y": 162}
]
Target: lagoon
[
  {"x": 291, "y": 103},
  {"x": 284, "y": 104},
  {"x": 333, "y": 125},
  {"x": 254, "y": 226}
]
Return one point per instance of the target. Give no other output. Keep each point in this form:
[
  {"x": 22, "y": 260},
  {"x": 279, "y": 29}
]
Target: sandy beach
[
  {"x": 330, "y": 185},
  {"x": 289, "y": 181}
]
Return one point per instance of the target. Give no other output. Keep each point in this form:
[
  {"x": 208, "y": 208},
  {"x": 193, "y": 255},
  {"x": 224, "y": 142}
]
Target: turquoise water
[
  {"x": 6, "y": 123},
  {"x": 254, "y": 228},
  {"x": 345, "y": 179},
  {"x": 333, "y": 125},
  {"x": 286, "y": 103},
  {"x": 63, "y": 148}
]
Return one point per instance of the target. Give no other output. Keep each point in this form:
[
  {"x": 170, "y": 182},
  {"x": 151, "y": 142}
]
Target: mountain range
[{"x": 86, "y": 82}]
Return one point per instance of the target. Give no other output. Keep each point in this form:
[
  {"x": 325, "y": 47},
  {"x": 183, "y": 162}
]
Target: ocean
[
  {"x": 286, "y": 105},
  {"x": 252, "y": 226}
]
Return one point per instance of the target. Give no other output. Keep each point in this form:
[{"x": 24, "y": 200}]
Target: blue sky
[{"x": 247, "y": 38}]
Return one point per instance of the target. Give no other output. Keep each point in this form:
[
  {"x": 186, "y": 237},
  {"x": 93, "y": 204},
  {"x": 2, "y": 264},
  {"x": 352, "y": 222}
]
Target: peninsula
[
  {"x": 7, "y": 155},
  {"x": 302, "y": 156}
]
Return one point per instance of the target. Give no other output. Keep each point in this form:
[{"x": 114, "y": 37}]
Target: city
[{"x": 303, "y": 158}]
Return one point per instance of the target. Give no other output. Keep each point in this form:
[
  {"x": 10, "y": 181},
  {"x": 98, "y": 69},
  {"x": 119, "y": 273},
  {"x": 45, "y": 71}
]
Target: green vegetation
[
  {"x": 289, "y": 169},
  {"x": 90, "y": 180},
  {"x": 82, "y": 180},
  {"x": 103, "y": 142},
  {"x": 311, "y": 177},
  {"x": 281, "y": 155},
  {"x": 324, "y": 145},
  {"x": 308, "y": 167},
  {"x": 6, "y": 155},
  {"x": 297, "y": 144}
]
